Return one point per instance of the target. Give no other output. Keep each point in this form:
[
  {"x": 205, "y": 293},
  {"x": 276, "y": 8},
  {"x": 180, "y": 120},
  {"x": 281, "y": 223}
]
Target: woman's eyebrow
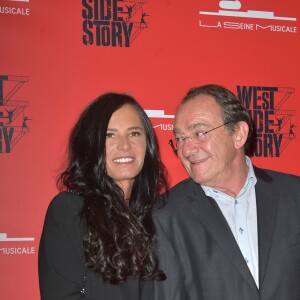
[
  {"x": 130, "y": 128},
  {"x": 136, "y": 128}
]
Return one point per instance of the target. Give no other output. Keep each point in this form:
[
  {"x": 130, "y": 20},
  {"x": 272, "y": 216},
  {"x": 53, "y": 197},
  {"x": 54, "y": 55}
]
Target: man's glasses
[{"x": 196, "y": 135}]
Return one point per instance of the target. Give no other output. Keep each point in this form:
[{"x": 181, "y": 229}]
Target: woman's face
[{"x": 125, "y": 147}]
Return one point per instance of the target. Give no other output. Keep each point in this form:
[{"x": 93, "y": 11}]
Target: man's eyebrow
[
  {"x": 196, "y": 125},
  {"x": 176, "y": 130}
]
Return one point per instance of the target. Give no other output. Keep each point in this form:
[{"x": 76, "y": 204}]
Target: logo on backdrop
[
  {"x": 246, "y": 19},
  {"x": 19, "y": 250},
  {"x": 13, "y": 10},
  {"x": 274, "y": 120},
  {"x": 114, "y": 23},
  {"x": 270, "y": 109},
  {"x": 14, "y": 118},
  {"x": 160, "y": 114}
]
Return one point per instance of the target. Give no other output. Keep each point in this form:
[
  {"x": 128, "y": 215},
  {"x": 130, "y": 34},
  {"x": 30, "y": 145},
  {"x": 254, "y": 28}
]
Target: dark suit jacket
[
  {"x": 201, "y": 258},
  {"x": 61, "y": 259}
]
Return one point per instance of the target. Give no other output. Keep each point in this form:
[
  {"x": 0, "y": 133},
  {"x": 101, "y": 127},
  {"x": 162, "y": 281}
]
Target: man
[{"x": 231, "y": 231}]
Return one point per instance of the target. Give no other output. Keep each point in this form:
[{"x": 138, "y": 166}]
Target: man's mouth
[{"x": 198, "y": 161}]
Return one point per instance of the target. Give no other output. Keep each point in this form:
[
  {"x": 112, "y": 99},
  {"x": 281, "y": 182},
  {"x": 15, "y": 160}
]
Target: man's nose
[{"x": 189, "y": 147}]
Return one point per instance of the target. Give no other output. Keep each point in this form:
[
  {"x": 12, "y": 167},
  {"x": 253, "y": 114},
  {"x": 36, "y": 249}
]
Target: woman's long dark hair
[{"x": 119, "y": 239}]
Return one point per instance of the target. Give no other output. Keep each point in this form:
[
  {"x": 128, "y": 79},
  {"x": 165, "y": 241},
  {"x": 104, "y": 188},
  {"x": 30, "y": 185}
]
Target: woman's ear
[{"x": 240, "y": 134}]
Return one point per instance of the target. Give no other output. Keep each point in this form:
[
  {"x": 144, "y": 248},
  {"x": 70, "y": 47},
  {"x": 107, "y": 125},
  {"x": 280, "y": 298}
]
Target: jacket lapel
[
  {"x": 207, "y": 212},
  {"x": 267, "y": 204}
]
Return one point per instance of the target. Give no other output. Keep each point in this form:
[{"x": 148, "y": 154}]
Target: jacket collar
[{"x": 210, "y": 216}]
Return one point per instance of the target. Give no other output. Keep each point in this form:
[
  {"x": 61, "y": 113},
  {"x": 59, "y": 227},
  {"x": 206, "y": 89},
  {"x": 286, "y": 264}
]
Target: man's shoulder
[
  {"x": 276, "y": 177},
  {"x": 280, "y": 185},
  {"x": 181, "y": 186},
  {"x": 179, "y": 196}
]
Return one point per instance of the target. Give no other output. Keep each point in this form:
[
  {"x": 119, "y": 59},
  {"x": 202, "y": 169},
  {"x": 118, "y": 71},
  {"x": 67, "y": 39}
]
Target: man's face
[{"x": 210, "y": 160}]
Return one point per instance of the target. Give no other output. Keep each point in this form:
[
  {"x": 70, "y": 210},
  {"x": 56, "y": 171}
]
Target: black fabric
[
  {"x": 201, "y": 258},
  {"x": 61, "y": 259}
]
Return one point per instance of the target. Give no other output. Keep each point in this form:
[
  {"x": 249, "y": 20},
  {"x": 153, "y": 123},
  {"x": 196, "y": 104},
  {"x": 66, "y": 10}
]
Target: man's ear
[{"x": 240, "y": 134}]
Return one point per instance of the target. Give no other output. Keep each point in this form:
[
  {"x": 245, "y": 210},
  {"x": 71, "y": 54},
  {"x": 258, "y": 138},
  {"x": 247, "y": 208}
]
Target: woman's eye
[
  {"x": 135, "y": 133},
  {"x": 109, "y": 135}
]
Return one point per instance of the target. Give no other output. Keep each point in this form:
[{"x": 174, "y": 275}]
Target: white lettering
[
  {"x": 234, "y": 25},
  {"x": 263, "y": 27},
  {"x": 164, "y": 127},
  {"x": 278, "y": 28},
  {"x": 202, "y": 25},
  {"x": 284, "y": 28},
  {"x": 18, "y": 250},
  {"x": 14, "y": 11}
]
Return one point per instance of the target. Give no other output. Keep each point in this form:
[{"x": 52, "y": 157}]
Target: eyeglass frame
[{"x": 171, "y": 143}]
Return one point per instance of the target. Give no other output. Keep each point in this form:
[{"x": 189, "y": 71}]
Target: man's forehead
[
  {"x": 191, "y": 124},
  {"x": 198, "y": 109}
]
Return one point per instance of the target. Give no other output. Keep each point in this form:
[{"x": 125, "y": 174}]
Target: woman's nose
[{"x": 124, "y": 143}]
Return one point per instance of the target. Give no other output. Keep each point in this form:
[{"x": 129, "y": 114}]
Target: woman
[{"x": 98, "y": 237}]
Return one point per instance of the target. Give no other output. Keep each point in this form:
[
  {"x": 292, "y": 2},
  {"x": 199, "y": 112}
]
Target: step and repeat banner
[{"x": 57, "y": 56}]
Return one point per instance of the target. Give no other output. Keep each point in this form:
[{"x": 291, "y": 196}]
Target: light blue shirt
[{"x": 241, "y": 216}]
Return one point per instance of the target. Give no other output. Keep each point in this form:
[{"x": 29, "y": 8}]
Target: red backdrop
[{"x": 57, "y": 56}]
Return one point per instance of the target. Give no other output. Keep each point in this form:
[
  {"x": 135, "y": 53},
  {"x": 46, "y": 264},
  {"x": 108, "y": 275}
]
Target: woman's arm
[{"x": 61, "y": 261}]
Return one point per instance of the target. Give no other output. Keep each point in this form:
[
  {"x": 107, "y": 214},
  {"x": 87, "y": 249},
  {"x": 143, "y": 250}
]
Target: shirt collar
[
  {"x": 251, "y": 178},
  {"x": 249, "y": 182}
]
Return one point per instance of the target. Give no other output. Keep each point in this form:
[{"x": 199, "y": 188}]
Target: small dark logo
[
  {"x": 13, "y": 112},
  {"x": 274, "y": 120},
  {"x": 115, "y": 23}
]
